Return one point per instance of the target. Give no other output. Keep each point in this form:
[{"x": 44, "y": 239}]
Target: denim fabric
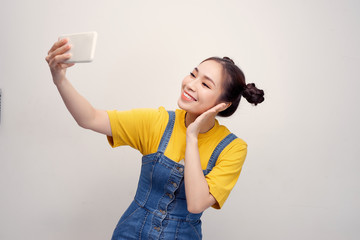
[{"x": 159, "y": 209}]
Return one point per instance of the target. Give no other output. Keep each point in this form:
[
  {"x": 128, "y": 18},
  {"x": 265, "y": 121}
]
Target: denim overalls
[{"x": 159, "y": 209}]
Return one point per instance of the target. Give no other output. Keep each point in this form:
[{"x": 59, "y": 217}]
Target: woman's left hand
[
  {"x": 198, "y": 197},
  {"x": 201, "y": 121}
]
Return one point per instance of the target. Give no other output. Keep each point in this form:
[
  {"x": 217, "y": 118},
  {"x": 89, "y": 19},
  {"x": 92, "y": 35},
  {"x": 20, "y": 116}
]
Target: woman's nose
[{"x": 192, "y": 85}]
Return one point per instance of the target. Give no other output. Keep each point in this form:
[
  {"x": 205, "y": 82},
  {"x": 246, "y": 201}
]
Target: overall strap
[
  {"x": 219, "y": 148},
  {"x": 167, "y": 133}
]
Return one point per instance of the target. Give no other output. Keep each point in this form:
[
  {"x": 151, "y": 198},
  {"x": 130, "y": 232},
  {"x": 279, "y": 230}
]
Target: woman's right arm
[{"x": 83, "y": 112}]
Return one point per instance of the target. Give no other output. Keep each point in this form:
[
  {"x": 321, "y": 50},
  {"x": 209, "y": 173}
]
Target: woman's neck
[{"x": 206, "y": 126}]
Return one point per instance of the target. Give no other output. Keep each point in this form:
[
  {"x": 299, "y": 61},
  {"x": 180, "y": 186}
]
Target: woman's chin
[
  {"x": 182, "y": 105},
  {"x": 179, "y": 103}
]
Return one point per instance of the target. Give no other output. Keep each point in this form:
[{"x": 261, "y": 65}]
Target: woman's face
[{"x": 201, "y": 89}]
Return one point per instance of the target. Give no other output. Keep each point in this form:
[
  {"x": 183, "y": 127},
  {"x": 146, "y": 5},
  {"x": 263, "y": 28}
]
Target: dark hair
[{"x": 234, "y": 86}]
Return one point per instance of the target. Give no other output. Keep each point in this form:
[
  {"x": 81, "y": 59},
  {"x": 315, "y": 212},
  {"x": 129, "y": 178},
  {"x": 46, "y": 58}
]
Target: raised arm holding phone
[{"x": 82, "y": 111}]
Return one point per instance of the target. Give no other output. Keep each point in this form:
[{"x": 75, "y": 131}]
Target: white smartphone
[{"x": 82, "y": 46}]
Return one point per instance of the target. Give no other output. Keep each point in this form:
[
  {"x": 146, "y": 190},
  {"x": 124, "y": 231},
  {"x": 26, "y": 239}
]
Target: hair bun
[
  {"x": 252, "y": 94},
  {"x": 228, "y": 59}
]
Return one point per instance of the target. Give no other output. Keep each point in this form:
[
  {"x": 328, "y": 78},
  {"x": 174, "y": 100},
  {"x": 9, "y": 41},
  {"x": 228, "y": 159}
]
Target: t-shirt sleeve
[
  {"x": 224, "y": 175},
  {"x": 139, "y": 128}
]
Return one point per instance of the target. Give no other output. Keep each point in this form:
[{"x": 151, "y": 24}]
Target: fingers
[
  {"x": 59, "y": 59},
  {"x": 212, "y": 112},
  {"x": 59, "y": 51},
  {"x": 58, "y": 44},
  {"x": 56, "y": 53},
  {"x": 218, "y": 108},
  {"x": 209, "y": 113},
  {"x": 67, "y": 65}
]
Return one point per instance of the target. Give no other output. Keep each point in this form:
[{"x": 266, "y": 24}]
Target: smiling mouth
[{"x": 188, "y": 97}]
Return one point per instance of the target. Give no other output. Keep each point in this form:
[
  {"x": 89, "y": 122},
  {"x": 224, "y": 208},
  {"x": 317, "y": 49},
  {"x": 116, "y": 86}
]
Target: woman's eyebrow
[{"x": 197, "y": 70}]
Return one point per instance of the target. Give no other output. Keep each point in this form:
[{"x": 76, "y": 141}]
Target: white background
[{"x": 301, "y": 177}]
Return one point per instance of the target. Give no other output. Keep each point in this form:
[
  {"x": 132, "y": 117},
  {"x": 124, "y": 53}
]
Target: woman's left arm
[{"x": 198, "y": 197}]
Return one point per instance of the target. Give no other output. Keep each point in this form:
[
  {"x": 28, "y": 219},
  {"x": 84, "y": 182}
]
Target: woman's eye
[
  {"x": 193, "y": 75},
  {"x": 206, "y": 85}
]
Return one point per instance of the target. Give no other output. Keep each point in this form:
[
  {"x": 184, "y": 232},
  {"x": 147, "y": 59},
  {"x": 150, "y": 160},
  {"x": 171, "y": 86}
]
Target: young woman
[{"x": 190, "y": 162}]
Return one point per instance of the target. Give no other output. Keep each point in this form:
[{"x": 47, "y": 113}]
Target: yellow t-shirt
[{"x": 142, "y": 129}]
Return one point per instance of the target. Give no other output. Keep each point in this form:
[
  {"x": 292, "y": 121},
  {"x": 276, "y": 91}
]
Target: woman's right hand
[{"x": 56, "y": 57}]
